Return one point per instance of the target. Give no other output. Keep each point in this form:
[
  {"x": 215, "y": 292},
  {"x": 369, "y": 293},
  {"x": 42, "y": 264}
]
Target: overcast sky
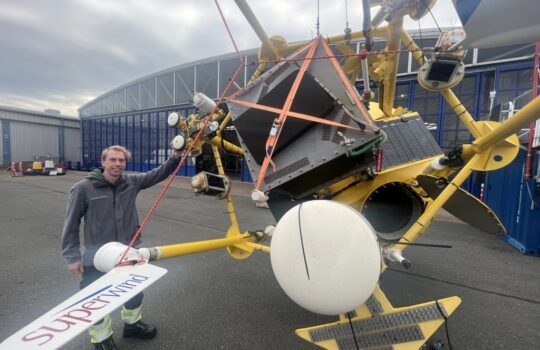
[{"x": 60, "y": 54}]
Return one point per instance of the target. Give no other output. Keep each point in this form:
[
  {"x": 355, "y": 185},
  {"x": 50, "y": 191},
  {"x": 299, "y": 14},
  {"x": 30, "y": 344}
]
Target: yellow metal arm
[
  {"x": 448, "y": 94},
  {"x": 170, "y": 251},
  {"x": 390, "y": 72},
  {"x": 425, "y": 219},
  {"x": 521, "y": 119},
  {"x": 226, "y": 145},
  {"x": 248, "y": 14}
]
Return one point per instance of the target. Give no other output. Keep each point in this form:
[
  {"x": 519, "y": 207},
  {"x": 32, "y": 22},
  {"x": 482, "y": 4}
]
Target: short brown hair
[{"x": 118, "y": 148}]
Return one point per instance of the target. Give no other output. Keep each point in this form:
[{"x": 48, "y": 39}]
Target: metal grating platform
[
  {"x": 379, "y": 324},
  {"x": 377, "y": 339}
]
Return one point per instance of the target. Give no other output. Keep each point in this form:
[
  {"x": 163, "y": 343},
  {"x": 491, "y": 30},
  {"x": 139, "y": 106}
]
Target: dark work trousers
[{"x": 90, "y": 274}]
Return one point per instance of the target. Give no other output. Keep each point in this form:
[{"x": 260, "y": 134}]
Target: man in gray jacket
[{"x": 106, "y": 201}]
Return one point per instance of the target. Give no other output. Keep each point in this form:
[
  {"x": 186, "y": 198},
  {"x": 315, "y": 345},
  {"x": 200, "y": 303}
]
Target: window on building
[
  {"x": 96, "y": 108},
  {"x": 107, "y": 105},
  {"x": 487, "y": 86},
  {"x": 454, "y": 131},
  {"x": 227, "y": 68},
  {"x": 144, "y": 133},
  {"x": 120, "y": 101},
  {"x": 86, "y": 143},
  {"x": 184, "y": 85},
  {"x": 427, "y": 103},
  {"x": 165, "y": 90},
  {"x": 512, "y": 83},
  {"x": 133, "y": 98},
  {"x": 207, "y": 79},
  {"x": 401, "y": 97},
  {"x": 148, "y": 93}
]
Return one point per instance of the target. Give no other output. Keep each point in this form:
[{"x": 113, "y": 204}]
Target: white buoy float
[{"x": 326, "y": 257}]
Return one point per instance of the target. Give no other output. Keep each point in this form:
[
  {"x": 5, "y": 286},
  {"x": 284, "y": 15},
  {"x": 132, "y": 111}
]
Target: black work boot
[
  {"x": 107, "y": 344},
  {"x": 140, "y": 330}
]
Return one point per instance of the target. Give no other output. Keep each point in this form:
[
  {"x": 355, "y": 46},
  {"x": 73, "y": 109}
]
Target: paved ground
[{"x": 211, "y": 301}]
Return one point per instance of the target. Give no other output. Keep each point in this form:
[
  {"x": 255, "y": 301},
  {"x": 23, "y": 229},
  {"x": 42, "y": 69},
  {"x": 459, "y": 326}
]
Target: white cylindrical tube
[{"x": 203, "y": 103}]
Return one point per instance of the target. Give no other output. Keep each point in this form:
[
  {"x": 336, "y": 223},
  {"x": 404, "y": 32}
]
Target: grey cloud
[{"x": 60, "y": 54}]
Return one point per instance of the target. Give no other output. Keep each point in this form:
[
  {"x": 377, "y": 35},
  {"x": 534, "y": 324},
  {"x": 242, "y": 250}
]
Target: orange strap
[
  {"x": 285, "y": 112},
  {"x": 293, "y": 114},
  {"x": 350, "y": 89},
  {"x": 275, "y": 132}
]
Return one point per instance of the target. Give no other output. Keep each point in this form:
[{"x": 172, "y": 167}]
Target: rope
[
  {"x": 228, "y": 30},
  {"x": 445, "y": 323},
  {"x": 188, "y": 151},
  {"x": 285, "y": 112},
  {"x": 275, "y": 132},
  {"x": 293, "y": 114},
  {"x": 379, "y": 52},
  {"x": 434, "y": 19},
  {"x": 419, "y": 27},
  {"x": 352, "y": 330},
  {"x": 182, "y": 161}
]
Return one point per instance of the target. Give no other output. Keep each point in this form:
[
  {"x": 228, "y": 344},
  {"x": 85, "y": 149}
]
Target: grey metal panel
[
  {"x": 72, "y": 145},
  {"x": 29, "y": 116},
  {"x": 409, "y": 140},
  {"x": 33, "y": 140},
  {"x": 76, "y": 124},
  {"x": 17, "y": 116}
]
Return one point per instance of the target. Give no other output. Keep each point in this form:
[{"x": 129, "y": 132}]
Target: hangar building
[{"x": 31, "y": 135}]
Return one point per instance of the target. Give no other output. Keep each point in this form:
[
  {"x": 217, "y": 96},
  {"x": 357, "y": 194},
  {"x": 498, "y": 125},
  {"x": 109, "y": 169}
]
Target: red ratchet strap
[
  {"x": 280, "y": 120},
  {"x": 293, "y": 114},
  {"x": 285, "y": 112}
]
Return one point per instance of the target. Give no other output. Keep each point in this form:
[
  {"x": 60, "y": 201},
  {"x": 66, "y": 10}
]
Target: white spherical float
[
  {"x": 109, "y": 255},
  {"x": 326, "y": 257}
]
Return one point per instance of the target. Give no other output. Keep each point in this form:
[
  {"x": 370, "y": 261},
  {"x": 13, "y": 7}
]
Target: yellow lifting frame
[{"x": 448, "y": 94}]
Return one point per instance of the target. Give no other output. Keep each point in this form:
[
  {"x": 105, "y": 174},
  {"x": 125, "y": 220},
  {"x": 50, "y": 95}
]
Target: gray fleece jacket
[{"x": 108, "y": 210}]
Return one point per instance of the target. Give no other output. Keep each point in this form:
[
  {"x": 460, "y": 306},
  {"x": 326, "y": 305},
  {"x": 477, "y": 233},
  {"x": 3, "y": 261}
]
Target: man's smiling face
[{"x": 113, "y": 165}]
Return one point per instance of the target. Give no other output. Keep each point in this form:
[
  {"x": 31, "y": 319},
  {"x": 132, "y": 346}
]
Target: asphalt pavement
[{"x": 212, "y": 301}]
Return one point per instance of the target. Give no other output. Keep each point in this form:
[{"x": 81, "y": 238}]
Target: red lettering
[
  {"x": 73, "y": 314},
  {"x": 28, "y": 338},
  {"x": 88, "y": 306},
  {"x": 66, "y": 323}
]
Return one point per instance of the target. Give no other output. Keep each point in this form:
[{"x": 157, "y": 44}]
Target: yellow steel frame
[{"x": 495, "y": 145}]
